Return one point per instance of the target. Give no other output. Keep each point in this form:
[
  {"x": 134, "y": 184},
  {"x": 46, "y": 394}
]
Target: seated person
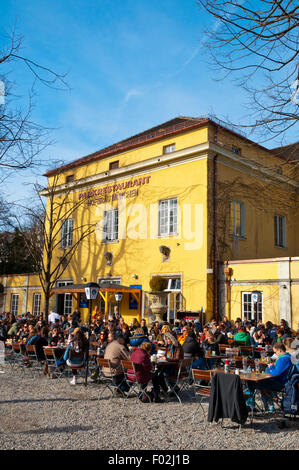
[
  {"x": 144, "y": 327},
  {"x": 56, "y": 336},
  {"x": 279, "y": 372},
  {"x": 221, "y": 335},
  {"x": 115, "y": 352},
  {"x": 210, "y": 346},
  {"x": 191, "y": 346},
  {"x": 243, "y": 335},
  {"x": 75, "y": 353},
  {"x": 138, "y": 338},
  {"x": 39, "y": 341},
  {"x": 143, "y": 366}
]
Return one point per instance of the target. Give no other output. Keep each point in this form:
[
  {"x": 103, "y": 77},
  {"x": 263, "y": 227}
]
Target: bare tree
[
  {"x": 258, "y": 44},
  {"x": 54, "y": 232},
  {"x": 21, "y": 139}
]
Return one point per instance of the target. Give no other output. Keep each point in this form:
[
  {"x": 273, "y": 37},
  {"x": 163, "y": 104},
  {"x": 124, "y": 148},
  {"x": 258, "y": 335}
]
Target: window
[
  {"x": 113, "y": 165},
  {"x": 252, "y": 306},
  {"x": 237, "y": 219},
  {"x": 69, "y": 178},
  {"x": 14, "y": 304},
  {"x": 36, "y": 304},
  {"x": 236, "y": 150},
  {"x": 65, "y": 301},
  {"x": 169, "y": 148},
  {"x": 174, "y": 283},
  {"x": 66, "y": 233},
  {"x": 168, "y": 216},
  {"x": 110, "y": 228},
  {"x": 280, "y": 231}
]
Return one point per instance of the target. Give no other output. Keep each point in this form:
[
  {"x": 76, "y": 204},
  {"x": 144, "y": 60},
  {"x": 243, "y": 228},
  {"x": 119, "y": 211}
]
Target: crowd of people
[{"x": 116, "y": 340}]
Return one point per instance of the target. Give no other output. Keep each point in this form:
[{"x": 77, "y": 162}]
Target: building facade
[{"x": 178, "y": 200}]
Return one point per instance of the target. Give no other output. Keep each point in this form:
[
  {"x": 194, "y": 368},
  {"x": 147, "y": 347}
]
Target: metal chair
[
  {"x": 181, "y": 381},
  {"x": 108, "y": 381},
  {"x": 51, "y": 361},
  {"x": 36, "y": 364},
  {"x": 128, "y": 368},
  {"x": 201, "y": 391}
]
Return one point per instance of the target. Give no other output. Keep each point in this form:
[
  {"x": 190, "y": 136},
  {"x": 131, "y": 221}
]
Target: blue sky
[{"x": 131, "y": 64}]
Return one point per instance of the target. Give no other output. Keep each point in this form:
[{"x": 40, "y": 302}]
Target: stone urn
[{"x": 158, "y": 304}]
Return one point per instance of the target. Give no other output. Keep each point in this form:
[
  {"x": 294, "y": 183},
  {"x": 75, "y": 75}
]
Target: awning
[{"x": 107, "y": 291}]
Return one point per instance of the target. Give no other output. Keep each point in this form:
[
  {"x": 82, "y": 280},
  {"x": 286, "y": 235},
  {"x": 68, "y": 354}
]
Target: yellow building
[{"x": 177, "y": 200}]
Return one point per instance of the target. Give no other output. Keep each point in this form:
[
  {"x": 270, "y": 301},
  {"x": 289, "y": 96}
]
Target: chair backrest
[
  {"x": 49, "y": 352},
  {"x": 127, "y": 365},
  {"x": 31, "y": 351},
  {"x": 198, "y": 374},
  {"x": 16, "y": 347},
  {"x": 240, "y": 343},
  {"x": 245, "y": 350},
  {"x": 103, "y": 362}
]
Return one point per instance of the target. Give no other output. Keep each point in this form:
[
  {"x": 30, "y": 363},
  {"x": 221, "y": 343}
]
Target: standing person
[
  {"x": 76, "y": 317},
  {"x": 76, "y": 353},
  {"x": 52, "y": 317}
]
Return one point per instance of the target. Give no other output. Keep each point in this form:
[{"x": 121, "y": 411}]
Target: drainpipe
[{"x": 215, "y": 238}]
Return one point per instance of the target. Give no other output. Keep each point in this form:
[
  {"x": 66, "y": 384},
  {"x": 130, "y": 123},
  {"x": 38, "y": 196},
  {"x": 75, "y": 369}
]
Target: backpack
[{"x": 290, "y": 402}]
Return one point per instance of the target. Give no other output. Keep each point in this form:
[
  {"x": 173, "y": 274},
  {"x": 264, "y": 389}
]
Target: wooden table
[
  {"x": 221, "y": 356},
  {"x": 252, "y": 376}
]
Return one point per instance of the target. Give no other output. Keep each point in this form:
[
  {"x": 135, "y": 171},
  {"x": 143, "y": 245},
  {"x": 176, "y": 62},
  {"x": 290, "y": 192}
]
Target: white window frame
[
  {"x": 67, "y": 233},
  {"x": 68, "y": 298},
  {"x": 168, "y": 149},
  {"x": 233, "y": 223},
  {"x": 14, "y": 304},
  {"x": 168, "y": 217},
  {"x": 110, "y": 226},
  {"x": 36, "y": 304},
  {"x": 280, "y": 231},
  {"x": 245, "y": 311}
]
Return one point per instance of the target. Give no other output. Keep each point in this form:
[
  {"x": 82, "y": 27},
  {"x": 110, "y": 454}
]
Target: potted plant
[{"x": 158, "y": 296}]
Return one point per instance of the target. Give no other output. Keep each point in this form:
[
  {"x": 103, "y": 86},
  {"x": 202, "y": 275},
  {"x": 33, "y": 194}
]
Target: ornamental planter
[{"x": 158, "y": 304}]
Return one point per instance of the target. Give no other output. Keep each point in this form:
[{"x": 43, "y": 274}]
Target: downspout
[{"x": 215, "y": 238}]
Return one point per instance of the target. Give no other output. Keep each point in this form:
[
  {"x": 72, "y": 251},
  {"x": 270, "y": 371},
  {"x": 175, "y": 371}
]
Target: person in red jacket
[{"x": 143, "y": 367}]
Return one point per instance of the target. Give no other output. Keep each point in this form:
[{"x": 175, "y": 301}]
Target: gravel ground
[{"x": 40, "y": 413}]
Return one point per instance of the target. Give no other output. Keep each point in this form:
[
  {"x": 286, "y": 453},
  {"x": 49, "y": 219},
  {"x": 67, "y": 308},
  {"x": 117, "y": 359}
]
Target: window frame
[
  {"x": 174, "y": 223},
  {"x": 67, "y": 237},
  {"x": 114, "y": 228},
  {"x": 36, "y": 312},
  {"x": 280, "y": 237},
  {"x": 170, "y": 148},
  {"x": 245, "y": 312},
  {"x": 233, "y": 222},
  {"x": 14, "y": 305}
]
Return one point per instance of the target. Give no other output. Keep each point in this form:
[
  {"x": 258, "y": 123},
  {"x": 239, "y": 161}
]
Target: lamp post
[
  {"x": 91, "y": 292},
  {"x": 118, "y": 297}
]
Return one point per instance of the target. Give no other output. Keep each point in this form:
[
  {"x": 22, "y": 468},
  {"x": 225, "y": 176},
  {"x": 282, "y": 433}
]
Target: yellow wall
[
  {"x": 25, "y": 285},
  {"x": 254, "y": 273}
]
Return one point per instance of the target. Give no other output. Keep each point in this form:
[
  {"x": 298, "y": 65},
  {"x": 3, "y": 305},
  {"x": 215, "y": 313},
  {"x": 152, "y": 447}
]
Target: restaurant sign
[{"x": 113, "y": 192}]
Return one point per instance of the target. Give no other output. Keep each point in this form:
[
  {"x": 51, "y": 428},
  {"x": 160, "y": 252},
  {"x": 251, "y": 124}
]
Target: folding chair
[
  {"x": 201, "y": 391},
  {"x": 107, "y": 381},
  {"x": 134, "y": 385},
  {"x": 36, "y": 364},
  {"x": 181, "y": 381},
  {"x": 51, "y": 361},
  {"x": 18, "y": 360}
]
